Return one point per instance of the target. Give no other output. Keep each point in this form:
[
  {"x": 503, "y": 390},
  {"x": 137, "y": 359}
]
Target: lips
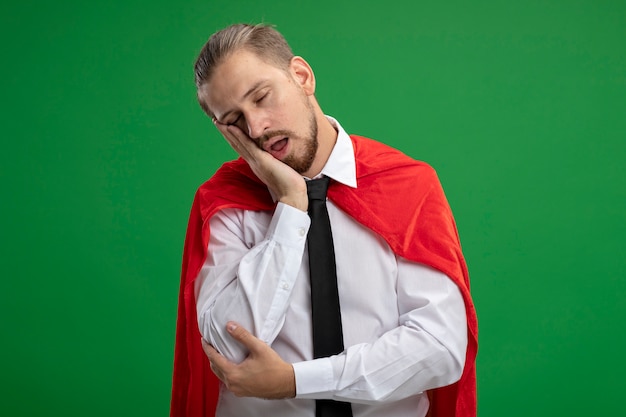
[{"x": 277, "y": 146}]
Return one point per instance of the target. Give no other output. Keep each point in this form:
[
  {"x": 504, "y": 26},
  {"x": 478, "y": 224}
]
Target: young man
[{"x": 408, "y": 323}]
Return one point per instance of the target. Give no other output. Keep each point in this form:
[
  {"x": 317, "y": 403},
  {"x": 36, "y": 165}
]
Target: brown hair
[{"x": 263, "y": 40}]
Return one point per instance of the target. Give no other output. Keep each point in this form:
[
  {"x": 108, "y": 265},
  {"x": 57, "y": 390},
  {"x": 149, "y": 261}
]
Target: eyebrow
[
  {"x": 251, "y": 90},
  {"x": 255, "y": 87}
]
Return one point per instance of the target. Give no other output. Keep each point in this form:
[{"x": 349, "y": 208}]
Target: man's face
[{"x": 268, "y": 104}]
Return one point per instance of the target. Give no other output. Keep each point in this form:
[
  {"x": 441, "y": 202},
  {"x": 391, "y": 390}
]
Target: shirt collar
[{"x": 341, "y": 165}]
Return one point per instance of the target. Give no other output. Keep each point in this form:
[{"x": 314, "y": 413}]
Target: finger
[
  {"x": 238, "y": 140},
  {"x": 214, "y": 356},
  {"x": 223, "y": 129},
  {"x": 217, "y": 362},
  {"x": 217, "y": 372},
  {"x": 244, "y": 337},
  {"x": 242, "y": 139},
  {"x": 208, "y": 349}
]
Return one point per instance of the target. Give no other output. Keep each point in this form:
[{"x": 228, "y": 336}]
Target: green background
[{"x": 520, "y": 106}]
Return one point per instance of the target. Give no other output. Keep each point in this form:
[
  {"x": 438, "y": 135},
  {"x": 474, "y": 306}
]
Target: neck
[{"x": 326, "y": 137}]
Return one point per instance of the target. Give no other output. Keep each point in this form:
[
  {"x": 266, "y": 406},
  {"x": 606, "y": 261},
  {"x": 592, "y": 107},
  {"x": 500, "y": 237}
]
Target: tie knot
[{"x": 316, "y": 189}]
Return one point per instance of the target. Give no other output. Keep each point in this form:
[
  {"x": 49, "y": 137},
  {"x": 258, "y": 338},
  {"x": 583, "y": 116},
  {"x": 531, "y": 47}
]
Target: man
[{"x": 408, "y": 323}]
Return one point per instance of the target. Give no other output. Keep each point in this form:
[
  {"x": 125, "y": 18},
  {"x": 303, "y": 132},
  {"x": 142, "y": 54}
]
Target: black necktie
[{"x": 326, "y": 314}]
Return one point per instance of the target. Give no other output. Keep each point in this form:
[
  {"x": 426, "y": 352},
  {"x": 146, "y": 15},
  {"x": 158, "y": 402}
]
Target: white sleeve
[
  {"x": 426, "y": 350},
  {"x": 249, "y": 285}
]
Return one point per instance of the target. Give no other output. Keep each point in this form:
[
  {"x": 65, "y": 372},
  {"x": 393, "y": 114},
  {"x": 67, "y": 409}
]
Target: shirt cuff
[
  {"x": 289, "y": 225},
  {"x": 314, "y": 379}
]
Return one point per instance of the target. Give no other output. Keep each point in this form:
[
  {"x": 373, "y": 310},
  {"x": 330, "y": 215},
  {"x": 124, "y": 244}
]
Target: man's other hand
[{"x": 262, "y": 374}]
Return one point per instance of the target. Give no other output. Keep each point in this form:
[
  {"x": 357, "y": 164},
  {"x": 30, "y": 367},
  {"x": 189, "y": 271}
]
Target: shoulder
[{"x": 377, "y": 159}]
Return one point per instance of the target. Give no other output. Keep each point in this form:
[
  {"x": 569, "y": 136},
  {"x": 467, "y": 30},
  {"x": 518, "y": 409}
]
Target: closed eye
[
  {"x": 234, "y": 121},
  {"x": 260, "y": 99}
]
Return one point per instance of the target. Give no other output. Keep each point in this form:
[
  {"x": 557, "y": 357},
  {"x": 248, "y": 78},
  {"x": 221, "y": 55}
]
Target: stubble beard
[{"x": 303, "y": 161}]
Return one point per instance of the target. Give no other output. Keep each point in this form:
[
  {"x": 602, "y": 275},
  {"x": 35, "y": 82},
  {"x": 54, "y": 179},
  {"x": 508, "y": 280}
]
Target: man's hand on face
[
  {"x": 262, "y": 374},
  {"x": 284, "y": 182}
]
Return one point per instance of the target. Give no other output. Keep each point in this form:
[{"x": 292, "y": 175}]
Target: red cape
[{"x": 423, "y": 230}]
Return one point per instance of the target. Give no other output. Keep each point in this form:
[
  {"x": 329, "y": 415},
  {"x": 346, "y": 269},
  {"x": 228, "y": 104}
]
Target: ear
[{"x": 303, "y": 74}]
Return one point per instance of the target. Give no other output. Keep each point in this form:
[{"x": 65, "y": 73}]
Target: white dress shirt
[{"x": 404, "y": 323}]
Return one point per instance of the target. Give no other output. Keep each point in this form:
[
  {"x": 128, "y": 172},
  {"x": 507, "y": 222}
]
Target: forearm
[
  {"x": 426, "y": 350},
  {"x": 383, "y": 371},
  {"x": 250, "y": 286}
]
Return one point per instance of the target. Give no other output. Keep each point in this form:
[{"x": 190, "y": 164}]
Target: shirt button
[
  {"x": 285, "y": 286},
  {"x": 301, "y": 231}
]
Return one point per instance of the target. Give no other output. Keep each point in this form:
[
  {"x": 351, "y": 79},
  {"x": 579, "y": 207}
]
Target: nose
[{"x": 257, "y": 122}]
